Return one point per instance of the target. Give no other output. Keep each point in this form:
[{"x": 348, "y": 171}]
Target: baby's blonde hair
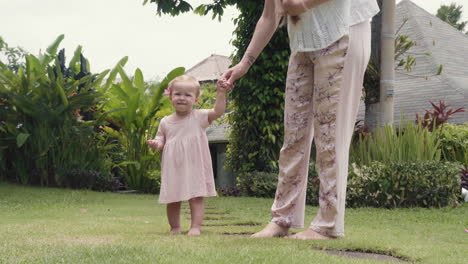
[{"x": 185, "y": 79}]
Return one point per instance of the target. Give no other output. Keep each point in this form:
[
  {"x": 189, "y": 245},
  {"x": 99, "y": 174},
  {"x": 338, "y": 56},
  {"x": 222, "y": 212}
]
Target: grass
[{"x": 46, "y": 225}]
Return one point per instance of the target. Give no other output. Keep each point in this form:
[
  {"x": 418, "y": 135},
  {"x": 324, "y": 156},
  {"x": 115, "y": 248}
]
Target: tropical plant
[
  {"x": 14, "y": 55},
  {"x": 41, "y": 136},
  {"x": 407, "y": 142},
  {"x": 454, "y": 142},
  {"x": 207, "y": 97},
  {"x": 133, "y": 109},
  {"x": 438, "y": 116}
]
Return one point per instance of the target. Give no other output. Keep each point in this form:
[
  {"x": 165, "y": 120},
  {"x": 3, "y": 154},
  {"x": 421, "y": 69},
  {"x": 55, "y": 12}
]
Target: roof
[
  {"x": 447, "y": 46},
  {"x": 217, "y": 132},
  {"x": 211, "y": 68}
]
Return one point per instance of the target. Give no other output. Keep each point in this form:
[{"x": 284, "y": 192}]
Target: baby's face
[{"x": 184, "y": 97}]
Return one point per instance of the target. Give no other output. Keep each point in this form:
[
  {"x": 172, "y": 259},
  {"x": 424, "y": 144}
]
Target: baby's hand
[
  {"x": 222, "y": 85},
  {"x": 154, "y": 144}
]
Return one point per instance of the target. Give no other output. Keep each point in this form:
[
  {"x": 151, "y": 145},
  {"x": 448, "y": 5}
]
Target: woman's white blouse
[
  {"x": 319, "y": 27},
  {"x": 363, "y": 10}
]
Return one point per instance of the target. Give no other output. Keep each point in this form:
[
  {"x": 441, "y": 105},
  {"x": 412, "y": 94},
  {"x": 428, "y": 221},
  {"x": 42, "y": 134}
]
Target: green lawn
[{"x": 45, "y": 225}]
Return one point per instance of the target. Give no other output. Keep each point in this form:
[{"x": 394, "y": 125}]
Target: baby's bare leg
[
  {"x": 173, "y": 215},
  {"x": 197, "y": 210}
]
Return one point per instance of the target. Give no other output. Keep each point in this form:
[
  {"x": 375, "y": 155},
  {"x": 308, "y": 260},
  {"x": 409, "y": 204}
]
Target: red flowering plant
[
  {"x": 438, "y": 116},
  {"x": 360, "y": 129}
]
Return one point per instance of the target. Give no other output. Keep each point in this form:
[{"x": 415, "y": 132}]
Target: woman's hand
[
  {"x": 222, "y": 86},
  {"x": 234, "y": 73}
]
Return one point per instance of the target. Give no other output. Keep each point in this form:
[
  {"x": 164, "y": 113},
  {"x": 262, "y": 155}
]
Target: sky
[{"x": 108, "y": 30}]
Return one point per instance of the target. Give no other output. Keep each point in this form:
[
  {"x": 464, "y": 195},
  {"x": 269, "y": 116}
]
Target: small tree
[
  {"x": 452, "y": 14},
  {"x": 14, "y": 55}
]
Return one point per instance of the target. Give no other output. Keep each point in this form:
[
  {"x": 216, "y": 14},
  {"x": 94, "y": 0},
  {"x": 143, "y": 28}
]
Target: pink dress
[{"x": 186, "y": 170}]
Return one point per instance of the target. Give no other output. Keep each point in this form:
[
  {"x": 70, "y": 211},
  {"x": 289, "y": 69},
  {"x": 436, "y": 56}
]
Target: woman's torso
[
  {"x": 320, "y": 26},
  {"x": 363, "y": 10}
]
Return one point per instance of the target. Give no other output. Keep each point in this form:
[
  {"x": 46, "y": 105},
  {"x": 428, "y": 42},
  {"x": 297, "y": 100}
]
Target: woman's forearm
[{"x": 264, "y": 30}]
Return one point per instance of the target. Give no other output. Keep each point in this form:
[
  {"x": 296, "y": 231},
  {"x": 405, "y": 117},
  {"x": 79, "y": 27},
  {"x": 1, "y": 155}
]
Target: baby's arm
[
  {"x": 158, "y": 142},
  {"x": 220, "y": 104},
  {"x": 297, "y": 7}
]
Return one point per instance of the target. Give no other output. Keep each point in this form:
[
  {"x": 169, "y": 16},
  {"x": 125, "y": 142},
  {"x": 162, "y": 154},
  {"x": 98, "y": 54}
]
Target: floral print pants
[{"x": 316, "y": 107}]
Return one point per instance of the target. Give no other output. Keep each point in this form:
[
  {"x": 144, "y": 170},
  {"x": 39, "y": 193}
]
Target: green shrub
[
  {"x": 106, "y": 184},
  {"x": 43, "y": 128},
  {"x": 79, "y": 178},
  {"x": 454, "y": 142},
  {"x": 258, "y": 184},
  {"x": 263, "y": 184},
  {"x": 404, "y": 184},
  {"x": 153, "y": 182},
  {"x": 233, "y": 191},
  {"x": 258, "y": 99},
  {"x": 313, "y": 186}
]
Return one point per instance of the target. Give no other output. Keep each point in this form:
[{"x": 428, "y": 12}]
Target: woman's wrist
[{"x": 248, "y": 60}]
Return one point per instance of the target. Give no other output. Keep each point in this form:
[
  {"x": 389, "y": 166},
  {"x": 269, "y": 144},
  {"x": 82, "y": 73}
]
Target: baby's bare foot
[
  {"x": 310, "y": 234},
  {"x": 175, "y": 230},
  {"x": 272, "y": 230},
  {"x": 194, "y": 231}
]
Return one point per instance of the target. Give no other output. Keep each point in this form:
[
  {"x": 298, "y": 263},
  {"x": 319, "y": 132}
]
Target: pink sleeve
[
  {"x": 202, "y": 116},
  {"x": 161, "y": 134}
]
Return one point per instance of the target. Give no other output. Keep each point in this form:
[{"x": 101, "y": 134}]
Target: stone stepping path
[
  {"x": 212, "y": 215},
  {"x": 246, "y": 234},
  {"x": 248, "y": 223},
  {"x": 363, "y": 255}
]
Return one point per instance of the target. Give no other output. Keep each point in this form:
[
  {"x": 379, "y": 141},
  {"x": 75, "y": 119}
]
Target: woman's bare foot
[
  {"x": 194, "y": 231},
  {"x": 310, "y": 234},
  {"x": 175, "y": 231},
  {"x": 272, "y": 230}
]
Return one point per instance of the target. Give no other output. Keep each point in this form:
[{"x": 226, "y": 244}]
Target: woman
[{"x": 330, "y": 45}]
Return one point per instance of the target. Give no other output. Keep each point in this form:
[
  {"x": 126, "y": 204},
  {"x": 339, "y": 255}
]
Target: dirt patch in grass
[{"x": 356, "y": 254}]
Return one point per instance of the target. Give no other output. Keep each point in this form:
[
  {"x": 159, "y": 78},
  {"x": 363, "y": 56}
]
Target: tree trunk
[
  {"x": 383, "y": 50},
  {"x": 372, "y": 113},
  {"x": 376, "y": 32},
  {"x": 387, "y": 62}
]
